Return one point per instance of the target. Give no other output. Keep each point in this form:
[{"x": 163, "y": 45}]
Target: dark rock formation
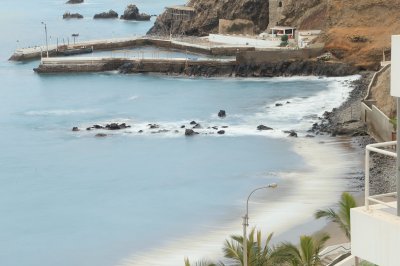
[
  {"x": 207, "y": 14},
  {"x": 132, "y": 13},
  {"x": 221, "y": 113},
  {"x": 125, "y": 68},
  {"x": 310, "y": 136},
  {"x": 109, "y": 14},
  {"x": 100, "y": 135},
  {"x": 74, "y": 2},
  {"x": 153, "y": 126},
  {"x": 197, "y": 126},
  {"x": 292, "y": 133},
  {"x": 68, "y": 15},
  {"x": 190, "y": 132},
  {"x": 278, "y": 104},
  {"x": 224, "y": 126},
  {"x": 193, "y": 123},
  {"x": 75, "y": 129},
  {"x": 221, "y": 132},
  {"x": 262, "y": 127},
  {"x": 183, "y": 126}
]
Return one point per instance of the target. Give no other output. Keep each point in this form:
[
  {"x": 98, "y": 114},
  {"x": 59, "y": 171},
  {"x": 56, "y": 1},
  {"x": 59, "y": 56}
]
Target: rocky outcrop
[
  {"x": 221, "y": 113},
  {"x": 262, "y": 127},
  {"x": 132, "y": 13},
  {"x": 68, "y": 15},
  {"x": 74, "y": 2},
  {"x": 109, "y": 14},
  {"x": 207, "y": 14},
  {"x": 190, "y": 132}
]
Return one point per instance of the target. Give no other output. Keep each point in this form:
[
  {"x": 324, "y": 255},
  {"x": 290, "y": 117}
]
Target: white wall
[
  {"x": 375, "y": 235},
  {"x": 243, "y": 41},
  {"x": 395, "y": 77}
]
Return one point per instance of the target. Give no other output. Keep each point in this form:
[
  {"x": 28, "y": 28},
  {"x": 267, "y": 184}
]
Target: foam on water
[{"x": 296, "y": 113}]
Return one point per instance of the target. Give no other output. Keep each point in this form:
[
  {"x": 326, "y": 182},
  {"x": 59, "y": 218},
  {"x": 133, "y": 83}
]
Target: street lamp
[
  {"x": 246, "y": 221},
  {"x": 47, "y": 46}
]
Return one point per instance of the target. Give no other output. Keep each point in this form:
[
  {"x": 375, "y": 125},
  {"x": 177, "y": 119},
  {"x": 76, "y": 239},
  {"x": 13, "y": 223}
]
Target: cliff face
[
  {"x": 207, "y": 14},
  {"x": 356, "y": 32}
]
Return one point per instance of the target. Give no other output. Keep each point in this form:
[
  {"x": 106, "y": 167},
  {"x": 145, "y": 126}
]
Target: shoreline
[{"x": 286, "y": 211}]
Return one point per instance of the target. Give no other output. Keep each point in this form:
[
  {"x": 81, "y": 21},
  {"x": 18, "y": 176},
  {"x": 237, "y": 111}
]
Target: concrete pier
[
  {"x": 128, "y": 65},
  {"x": 132, "y": 42}
]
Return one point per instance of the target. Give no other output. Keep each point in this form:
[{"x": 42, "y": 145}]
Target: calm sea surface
[{"x": 69, "y": 198}]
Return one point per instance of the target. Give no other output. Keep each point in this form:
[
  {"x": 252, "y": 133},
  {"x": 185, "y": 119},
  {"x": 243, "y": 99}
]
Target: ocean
[{"x": 150, "y": 198}]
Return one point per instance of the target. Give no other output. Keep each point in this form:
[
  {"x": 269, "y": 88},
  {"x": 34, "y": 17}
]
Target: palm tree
[
  {"x": 342, "y": 216},
  {"x": 258, "y": 255},
  {"x": 307, "y": 254},
  {"x": 202, "y": 263}
]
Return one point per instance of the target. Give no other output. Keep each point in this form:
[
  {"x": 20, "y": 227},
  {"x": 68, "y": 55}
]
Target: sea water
[{"x": 70, "y": 198}]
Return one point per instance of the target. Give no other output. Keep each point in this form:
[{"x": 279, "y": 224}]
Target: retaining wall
[
  {"x": 259, "y": 57},
  {"x": 378, "y": 123}
]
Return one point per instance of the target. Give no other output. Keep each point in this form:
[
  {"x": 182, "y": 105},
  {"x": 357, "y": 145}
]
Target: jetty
[
  {"x": 195, "y": 45},
  {"x": 129, "y": 65}
]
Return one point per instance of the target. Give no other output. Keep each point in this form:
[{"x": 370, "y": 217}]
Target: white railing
[{"x": 378, "y": 148}]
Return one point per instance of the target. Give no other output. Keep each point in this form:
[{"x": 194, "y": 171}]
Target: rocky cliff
[
  {"x": 356, "y": 32},
  {"x": 207, "y": 14}
]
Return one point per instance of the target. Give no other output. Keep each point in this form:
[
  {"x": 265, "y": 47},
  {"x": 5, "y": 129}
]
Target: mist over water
[{"x": 69, "y": 198}]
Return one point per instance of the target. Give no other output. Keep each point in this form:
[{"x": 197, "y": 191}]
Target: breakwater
[
  {"x": 129, "y": 65},
  {"x": 198, "y": 67},
  {"x": 123, "y": 43}
]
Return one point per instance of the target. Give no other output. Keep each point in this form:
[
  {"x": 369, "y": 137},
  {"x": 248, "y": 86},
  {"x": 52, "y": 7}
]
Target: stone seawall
[{"x": 207, "y": 68}]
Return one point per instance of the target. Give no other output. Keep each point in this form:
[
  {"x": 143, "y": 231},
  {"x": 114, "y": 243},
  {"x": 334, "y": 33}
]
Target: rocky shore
[{"x": 345, "y": 121}]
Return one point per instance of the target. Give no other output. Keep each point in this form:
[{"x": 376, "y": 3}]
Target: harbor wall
[{"x": 275, "y": 55}]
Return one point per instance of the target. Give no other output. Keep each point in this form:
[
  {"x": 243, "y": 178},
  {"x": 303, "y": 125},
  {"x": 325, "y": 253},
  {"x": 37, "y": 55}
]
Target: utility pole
[{"x": 47, "y": 45}]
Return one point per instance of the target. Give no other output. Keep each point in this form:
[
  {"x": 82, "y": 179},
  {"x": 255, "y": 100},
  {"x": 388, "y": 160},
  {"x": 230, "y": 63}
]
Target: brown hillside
[{"x": 356, "y": 31}]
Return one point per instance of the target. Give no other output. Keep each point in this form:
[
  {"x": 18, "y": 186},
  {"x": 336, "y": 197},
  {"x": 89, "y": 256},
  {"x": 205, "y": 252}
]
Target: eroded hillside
[{"x": 208, "y": 13}]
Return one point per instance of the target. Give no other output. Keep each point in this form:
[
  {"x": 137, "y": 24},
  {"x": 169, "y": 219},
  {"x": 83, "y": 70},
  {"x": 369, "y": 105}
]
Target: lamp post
[
  {"x": 246, "y": 221},
  {"x": 47, "y": 46}
]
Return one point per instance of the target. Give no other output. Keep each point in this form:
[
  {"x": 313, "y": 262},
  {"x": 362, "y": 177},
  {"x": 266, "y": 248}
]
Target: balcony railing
[{"x": 381, "y": 148}]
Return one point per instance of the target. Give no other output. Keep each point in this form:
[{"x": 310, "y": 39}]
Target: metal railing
[{"x": 378, "y": 148}]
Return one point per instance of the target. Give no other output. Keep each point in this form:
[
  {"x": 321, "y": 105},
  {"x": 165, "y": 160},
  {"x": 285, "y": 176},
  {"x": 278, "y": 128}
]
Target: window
[{"x": 280, "y": 4}]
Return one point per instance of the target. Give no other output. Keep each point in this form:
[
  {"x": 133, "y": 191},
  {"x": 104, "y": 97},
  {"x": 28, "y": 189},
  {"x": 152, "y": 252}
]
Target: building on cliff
[{"x": 179, "y": 13}]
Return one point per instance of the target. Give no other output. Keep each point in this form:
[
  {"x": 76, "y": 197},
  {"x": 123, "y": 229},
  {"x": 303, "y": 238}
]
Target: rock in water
[
  {"x": 262, "y": 127},
  {"x": 293, "y": 134},
  {"x": 109, "y": 14},
  {"x": 74, "y": 2},
  {"x": 68, "y": 15},
  {"x": 221, "y": 113},
  {"x": 100, "y": 135},
  {"x": 193, "y": 123},
  {"x": 221, "y": 132},
  {"x": 132, "y": 13},
  {"x": 197, "y": 126},
  {"x": 75, "y": 129},
  {"x": 190, "y": 132}
]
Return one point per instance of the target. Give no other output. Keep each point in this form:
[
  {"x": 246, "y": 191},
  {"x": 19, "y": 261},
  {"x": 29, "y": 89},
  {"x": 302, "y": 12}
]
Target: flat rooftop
[{"x": 282, "y": 28}]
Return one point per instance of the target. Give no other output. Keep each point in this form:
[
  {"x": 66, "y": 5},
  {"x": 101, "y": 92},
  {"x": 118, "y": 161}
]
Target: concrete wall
[
  {"x": 236, "y": 26},
  {"x": 243, "y": 40},
  {"x": 378, "y": 123},
  {"x": 375, "y": 235},
  {"x": 259, "y": 57}
]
